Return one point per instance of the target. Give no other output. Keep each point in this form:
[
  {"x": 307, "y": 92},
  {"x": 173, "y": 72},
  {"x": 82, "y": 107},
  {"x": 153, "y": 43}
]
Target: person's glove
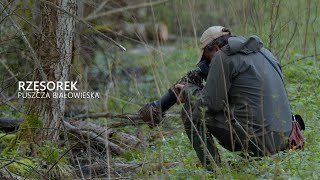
[{"x": 151, "y": 114}]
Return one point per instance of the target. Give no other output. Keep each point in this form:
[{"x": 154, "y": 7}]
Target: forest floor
[{"x": 140, "y": 76}]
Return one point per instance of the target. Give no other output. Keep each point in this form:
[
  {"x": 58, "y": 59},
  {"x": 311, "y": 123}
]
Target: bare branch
[
  {"x": 3, "y": 62},
  {"x": 98, "y": 9},
  {"x": 85, "y": 23},
  {"x": 26, "y": 41},
  {"x": 291, "y": 38},
  {"x": 92, "y": 17}
]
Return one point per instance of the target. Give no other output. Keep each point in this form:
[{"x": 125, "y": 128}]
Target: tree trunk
[
  {"x": 54, "y": 50},
  {"x": 64, "y": 39}
]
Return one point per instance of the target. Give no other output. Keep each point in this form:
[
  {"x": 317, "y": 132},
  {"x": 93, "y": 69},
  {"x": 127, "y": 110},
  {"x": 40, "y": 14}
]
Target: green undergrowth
[{"x": 47, "y": 163}]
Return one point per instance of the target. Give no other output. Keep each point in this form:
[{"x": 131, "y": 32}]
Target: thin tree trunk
[
  {"x": 64, "y": 40},
  {"x": 55, "y": 52}
]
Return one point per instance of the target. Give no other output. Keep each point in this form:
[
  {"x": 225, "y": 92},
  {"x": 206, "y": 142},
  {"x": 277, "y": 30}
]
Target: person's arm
[
  {"x": 214, "y": 94},
  {"x": 212, "y": 98}
]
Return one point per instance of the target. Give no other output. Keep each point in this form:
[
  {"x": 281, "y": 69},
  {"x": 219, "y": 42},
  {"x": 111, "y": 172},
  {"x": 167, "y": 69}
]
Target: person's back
[{"x": 257, "y": 99}]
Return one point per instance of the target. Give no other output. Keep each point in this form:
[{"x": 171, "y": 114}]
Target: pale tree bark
[
  {"x": 65, "y": 34},
  {"x": 54, "y": 50}
]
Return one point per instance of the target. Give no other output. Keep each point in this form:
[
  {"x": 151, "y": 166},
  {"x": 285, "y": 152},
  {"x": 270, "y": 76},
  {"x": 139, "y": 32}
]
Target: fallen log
[
  {"x": 99, "y": 129},
  {"x": 127, "y": 140},
  {"x": 122, "y": 138},
  {"x": 145, "y": 31},
  {"x": 113, "y": 147},
  {"x": 9, "y": 122}
]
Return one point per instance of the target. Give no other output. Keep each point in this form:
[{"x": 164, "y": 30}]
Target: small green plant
[{"x": 52, "y": 163}]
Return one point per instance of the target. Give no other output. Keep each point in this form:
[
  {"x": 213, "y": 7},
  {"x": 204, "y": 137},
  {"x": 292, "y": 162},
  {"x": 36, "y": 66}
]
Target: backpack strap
[{"x": 274, "y": 66}]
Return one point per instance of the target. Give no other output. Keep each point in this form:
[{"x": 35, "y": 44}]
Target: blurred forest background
[{"x": 84, "y": 41}]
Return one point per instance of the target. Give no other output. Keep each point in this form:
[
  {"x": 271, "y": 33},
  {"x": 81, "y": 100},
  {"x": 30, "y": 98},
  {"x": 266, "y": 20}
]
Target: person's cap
[{"x": 209, "y": 35}]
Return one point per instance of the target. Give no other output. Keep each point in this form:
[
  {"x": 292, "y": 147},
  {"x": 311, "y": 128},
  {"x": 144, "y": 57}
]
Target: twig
[
  {"x": 5, "y": 7},
  {"x": 291, "y": 38},
  {"x": 98, "y": 9},
  {"x": 305, "y": 57},
  {"x": 306, "y": 27},
  {"x": 88, "y": 18},
  {"x": 80, "y": 167},
  {"x": 8, "y": 69},
  {"x": 18, "y": 162},
  {"x": 273, "y": 20},
  {"x": 271, "y": 24},
  {"x": 11, "y": 174},
  {"x": 8, "y": 86},
  {"x": 24, "y": 38},
  {"x": 85, "y": 23}
]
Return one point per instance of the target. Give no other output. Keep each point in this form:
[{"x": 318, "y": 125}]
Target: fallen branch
[
  {"x": 130, "y": 116},
  {"x": 113, "y": 147},
  {"x": 9, "y": 123},
  {"x": 99, "y": 129},
  {"x": 121, "y": 138}
]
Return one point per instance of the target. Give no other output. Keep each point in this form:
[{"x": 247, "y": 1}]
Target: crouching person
[{"x": 243, "y": 103}]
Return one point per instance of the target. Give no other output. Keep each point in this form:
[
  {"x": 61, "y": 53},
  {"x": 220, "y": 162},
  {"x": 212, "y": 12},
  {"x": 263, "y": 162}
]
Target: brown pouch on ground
[{"x": 296, "y": 139}]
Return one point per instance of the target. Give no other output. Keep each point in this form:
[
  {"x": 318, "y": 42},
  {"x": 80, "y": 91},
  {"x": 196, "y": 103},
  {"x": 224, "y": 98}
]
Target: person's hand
[
  {"x": 151, "y": 114},
  {"x": 180, "y": 94}
]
